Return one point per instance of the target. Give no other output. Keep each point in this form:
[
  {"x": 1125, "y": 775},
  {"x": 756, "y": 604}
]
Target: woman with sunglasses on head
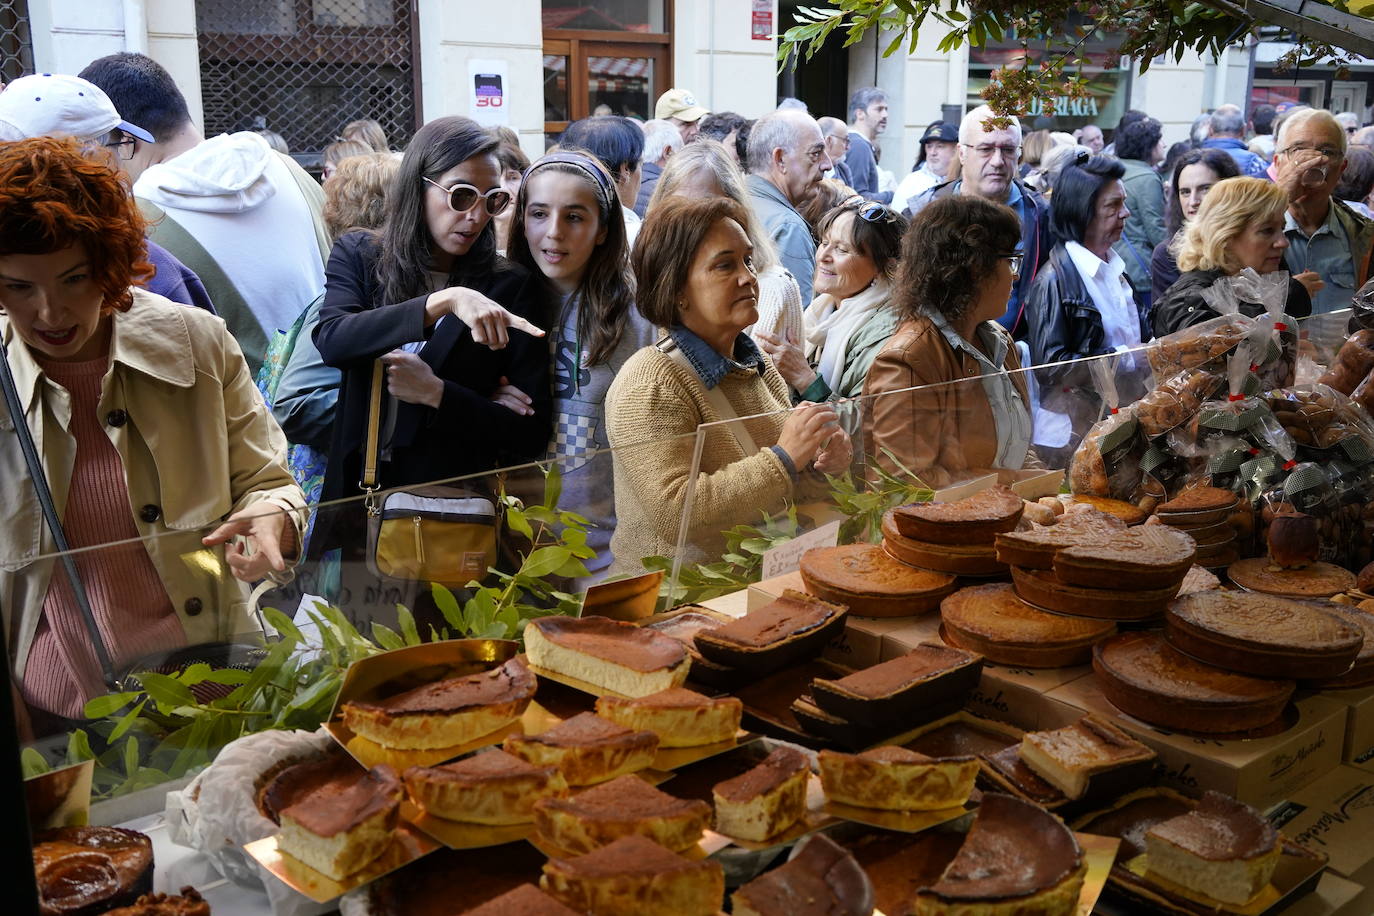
[
  {"x": 852, "y": 316},
  {"x": 1194, "y": 174},
  {"x": 943, "y": 397},
  {"x": 568, "y": 227},
  {"x": 456, "y": 326}
]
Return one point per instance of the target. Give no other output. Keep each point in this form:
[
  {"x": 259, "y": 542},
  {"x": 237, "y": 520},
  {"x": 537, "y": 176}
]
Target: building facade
[{"x": 304, "y": 68}]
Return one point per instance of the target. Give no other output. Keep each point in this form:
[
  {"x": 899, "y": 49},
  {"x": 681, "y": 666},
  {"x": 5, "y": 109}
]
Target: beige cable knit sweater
[{"x": 652, "y": 409}]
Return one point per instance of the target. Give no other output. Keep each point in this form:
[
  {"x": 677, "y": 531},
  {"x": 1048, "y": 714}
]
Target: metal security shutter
[
  {"x": 305, "y": 68},
  {"x": 16, "y": 45}
]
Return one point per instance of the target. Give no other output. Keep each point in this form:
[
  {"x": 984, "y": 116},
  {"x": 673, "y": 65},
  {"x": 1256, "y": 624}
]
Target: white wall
[
  {"x": 452, "y": 32},
  {"x": 1172, "y": 92},
  {"x": 715, "y": 57},
  {"x": 867, "y": 67},
  {"x": 932, "y": 78},
  {"x": 69, "y": 34}
]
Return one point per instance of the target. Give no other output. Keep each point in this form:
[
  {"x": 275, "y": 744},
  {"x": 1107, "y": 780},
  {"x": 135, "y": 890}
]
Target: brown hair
[
  {"x": 828, "y": 195},
  {"x": 52, "y": 196},
  {"x": 355, "y": 197},
  {"x": 368, "y": 131},
  {"x": 952, "y": 247},
  {"x": 340, "y": 150},
  {"x": 666, "y": 246}
]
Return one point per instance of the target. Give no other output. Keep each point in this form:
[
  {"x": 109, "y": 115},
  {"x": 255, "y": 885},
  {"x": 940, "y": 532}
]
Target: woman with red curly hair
[{"x": 147, "y": 423}]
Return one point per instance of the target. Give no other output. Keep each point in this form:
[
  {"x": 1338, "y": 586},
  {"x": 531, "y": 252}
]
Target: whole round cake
[{"x": 868, "y": 581}]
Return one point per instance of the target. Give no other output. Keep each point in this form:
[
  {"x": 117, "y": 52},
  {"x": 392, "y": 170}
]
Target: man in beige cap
[{"x": 680, "y": 107}]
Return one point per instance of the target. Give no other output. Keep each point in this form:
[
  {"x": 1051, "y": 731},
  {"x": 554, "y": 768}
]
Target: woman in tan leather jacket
[{"x": 943, "y": 399}]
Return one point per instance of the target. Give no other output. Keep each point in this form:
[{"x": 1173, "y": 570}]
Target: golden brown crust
[
  {"x": 1043, "y": 589},
  {"x": 992, "y": 621},
  {"x": 680, "y": 717},
  {"x": 635, "y": 875},
  {"x": 88, "y": 869},
  {"x": 1035, "y": 549},
  {"x": 624, "y": 806},
  {"x": 871, "y": 583},
  {"x": 955, "y": 559},
  {"x": 1148, "y": 557},
  {"x": 976, "y": 519},
  {"x": 1129, "y": 513},
  {"x": 1320, "y": 580}
]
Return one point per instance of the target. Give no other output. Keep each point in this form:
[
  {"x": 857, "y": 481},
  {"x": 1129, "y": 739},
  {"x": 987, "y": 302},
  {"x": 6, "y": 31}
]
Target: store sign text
[{"x": 1065, "y": 107}]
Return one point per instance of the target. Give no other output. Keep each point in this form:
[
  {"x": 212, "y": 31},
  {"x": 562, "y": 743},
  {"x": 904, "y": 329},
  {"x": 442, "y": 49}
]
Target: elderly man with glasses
[
  {"x": 1325, "y": 235},
  {"x": 988, "y": 156}
]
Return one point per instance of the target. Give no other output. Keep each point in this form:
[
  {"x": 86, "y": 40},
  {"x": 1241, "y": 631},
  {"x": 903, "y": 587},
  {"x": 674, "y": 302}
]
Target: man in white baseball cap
[
  {"x": 56, "y": 105},
  {"x": 680, "y": 107}
]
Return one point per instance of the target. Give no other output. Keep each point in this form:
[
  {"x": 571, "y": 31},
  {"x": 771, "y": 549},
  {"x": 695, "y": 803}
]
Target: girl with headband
[{"x": 568, "y": 227}]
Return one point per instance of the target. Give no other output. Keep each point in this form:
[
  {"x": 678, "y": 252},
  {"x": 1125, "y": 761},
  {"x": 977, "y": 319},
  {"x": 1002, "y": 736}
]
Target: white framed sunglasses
[{"x": 462, "y": 197}]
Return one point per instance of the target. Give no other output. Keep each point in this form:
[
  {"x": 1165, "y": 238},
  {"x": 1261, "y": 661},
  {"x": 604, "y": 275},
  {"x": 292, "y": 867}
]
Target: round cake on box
[
  {"x": 865, "y": 579},
  {"x": 992, "y": 621}
]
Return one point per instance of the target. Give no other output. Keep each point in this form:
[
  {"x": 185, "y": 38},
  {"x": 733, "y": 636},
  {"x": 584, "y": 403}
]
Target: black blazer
[{"x": 467, "y": 433}]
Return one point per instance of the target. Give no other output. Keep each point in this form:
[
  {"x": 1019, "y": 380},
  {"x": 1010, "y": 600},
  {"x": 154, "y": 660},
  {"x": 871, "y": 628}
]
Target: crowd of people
[{"x": 454, "y": 308}]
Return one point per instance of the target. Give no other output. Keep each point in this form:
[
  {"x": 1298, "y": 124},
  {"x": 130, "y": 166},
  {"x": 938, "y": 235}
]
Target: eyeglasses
[
  {"x": 124, "y": 149},
  {"x": 1015, "y": 260},
  {"x": 462, "y": 197},
  {"x": 843, "y": 141},
  {"x": 986, "y": 150},
  {"x": 1330, "y": 154},
  {"x": 874, "y": 212}
]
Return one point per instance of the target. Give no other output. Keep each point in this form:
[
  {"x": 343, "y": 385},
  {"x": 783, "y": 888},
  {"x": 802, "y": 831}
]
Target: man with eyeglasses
[
  {"x": 57, "y": 105},
  {"x": 787, "y": 160},
  {"x": 836, "y": 134},
  {"x": 1325, "y": 235},
  {"x": 246, "y": 218},
  {"x": 868, "y": 118},
  {"x": 988, "y": 157}
]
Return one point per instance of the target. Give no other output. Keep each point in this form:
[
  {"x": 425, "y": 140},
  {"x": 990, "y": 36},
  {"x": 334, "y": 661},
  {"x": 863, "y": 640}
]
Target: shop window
[
  {"x": 648, "y": 16},
  {"x": 16, "y": 44}
]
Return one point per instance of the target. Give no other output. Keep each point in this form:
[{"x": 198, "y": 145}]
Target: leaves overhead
[{"x": 1145, "y": 30}]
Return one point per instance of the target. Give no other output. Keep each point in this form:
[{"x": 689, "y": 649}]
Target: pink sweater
[{"x": 132, "y": 610}]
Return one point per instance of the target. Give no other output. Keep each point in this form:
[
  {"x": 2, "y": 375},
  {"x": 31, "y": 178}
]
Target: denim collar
[{"x": 710, "y": 365}]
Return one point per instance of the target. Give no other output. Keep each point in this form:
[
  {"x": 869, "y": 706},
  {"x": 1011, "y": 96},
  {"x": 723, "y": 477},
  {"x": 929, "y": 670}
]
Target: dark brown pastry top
[
  {"x": 512, "y": 682},
  {"x": 79, "y": 867},
  {"x": 868, "y": 570},
  {"x": 1146, "y": 662},
  {"x": 1133, "y": 819},
  {"x": 1144, "y": 546},
  {"x": 1013, "y": 849},
  {"x": 821, "y": 879},
  {"x": 632, "y": 855},
  {"x": 489, "y": 766},
  {"x": 960, "y": 739},
  {"x": 1258, "y": 619},
  {"x": 188, "y": 903},
  {"x": 627, "y": 797},
  {"x": 926, "y": 661},
  {"x": 525, "y": 900},
  {"x": 639, "y": 648},
  {"x": 997, "y": 504},
  {"x": 773, "y": 771},
  {"x": 587, "y": 729},
  {"x": 791, "y": 615},
  {"x": 335, "y": 795},
  {"x": 1219, "y": 829},
  {"x": 1199, "y": 499}
]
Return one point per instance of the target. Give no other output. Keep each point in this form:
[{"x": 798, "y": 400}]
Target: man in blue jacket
[
  {"x": 868, "y": 118},
  {"x": 1228, "y": 133}
]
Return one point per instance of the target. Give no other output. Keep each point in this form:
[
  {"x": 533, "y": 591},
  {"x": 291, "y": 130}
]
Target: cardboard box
[
  {"x": 770, "y": 590},
  {"x": 1018, "y": 696},
  {"x": 1258, "y": 771},
  {"x": 1335, "y": 816},
  {"x": 1359, "y": 725}
]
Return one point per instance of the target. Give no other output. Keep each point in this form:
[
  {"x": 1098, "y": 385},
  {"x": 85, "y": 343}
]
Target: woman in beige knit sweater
[{"x": 694, "y": 269}]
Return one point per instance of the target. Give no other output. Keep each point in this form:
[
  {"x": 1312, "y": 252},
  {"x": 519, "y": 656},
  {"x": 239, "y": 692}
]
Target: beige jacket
[{"x": 196, "y": 442}]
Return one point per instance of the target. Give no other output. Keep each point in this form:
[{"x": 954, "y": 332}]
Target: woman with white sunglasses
[{"x": 456, "y": 326}]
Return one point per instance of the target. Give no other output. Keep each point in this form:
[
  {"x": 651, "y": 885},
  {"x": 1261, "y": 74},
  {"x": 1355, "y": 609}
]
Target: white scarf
[{"x": 830, "y": 325}]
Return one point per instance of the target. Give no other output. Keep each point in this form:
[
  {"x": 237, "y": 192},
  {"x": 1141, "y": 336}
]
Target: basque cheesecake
[
  {"x": 587, "y": 749},
  {"x": 621, "y": 657},
  {"x": 1042, "y": 588},
  {"x": 490, "y": 787},
  {"x": 1147, "y": 557},
  {"x": 626, "y": 805},
  {"x": 1016, "y": 859},
  {"x": 976, "y": 519},
  {"x": 820, "y": 879},
  {"x": 446, "y": 713},
  {"x": 680, "y": 717},
  {"x": 868, "y": 581},
  {"x": 1317, "y": 580},
  {"x": 81, "y": 871},
  {"x": 1264, "y": 635},
  {"x": 1035, "y": 549},
  {"x": 1069, "y": 758},
  {"x": 794, "y": 627},
  {"x": 634, "y": 876},
  {"x": 1143, "y": 676},
  {"x": 765, "y": 801},
  {"x": 335, "y": 816},
  {"x": 897, "y": 779},
  {"x": 910, "y": 689},
  {"x": 1222, "y": 850},
  {"x": 525, "y": 900},
  {"x": 993, "y": 622}
]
